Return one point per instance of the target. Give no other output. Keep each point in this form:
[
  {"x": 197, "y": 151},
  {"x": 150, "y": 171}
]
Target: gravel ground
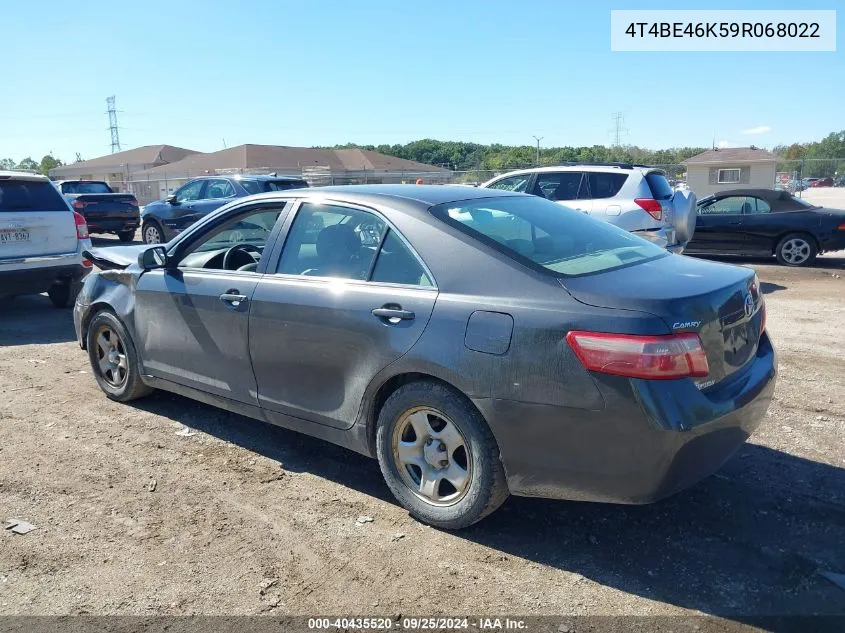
[{"x": 135, "y": 516}]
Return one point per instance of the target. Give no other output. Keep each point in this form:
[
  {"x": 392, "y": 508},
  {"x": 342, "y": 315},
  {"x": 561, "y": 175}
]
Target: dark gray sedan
[{"x": 477, "y": 342}]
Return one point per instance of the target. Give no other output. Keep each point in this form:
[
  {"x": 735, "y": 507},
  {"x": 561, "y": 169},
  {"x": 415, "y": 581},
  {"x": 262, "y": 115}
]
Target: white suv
[
  {"x": 636, "y": 198},
  {"x": 41, "y": 240}
]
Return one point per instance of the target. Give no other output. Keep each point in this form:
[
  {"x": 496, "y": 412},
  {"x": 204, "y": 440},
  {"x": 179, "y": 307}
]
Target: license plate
[{"x": 9, "y": 236}]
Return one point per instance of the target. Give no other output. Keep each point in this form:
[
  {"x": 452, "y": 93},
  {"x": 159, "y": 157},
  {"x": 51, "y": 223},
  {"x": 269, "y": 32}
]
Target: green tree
[
  {"x": 28, "y": 164},
  {"x": 7, "y": 163},
  {"x": 47, "y": 163}
]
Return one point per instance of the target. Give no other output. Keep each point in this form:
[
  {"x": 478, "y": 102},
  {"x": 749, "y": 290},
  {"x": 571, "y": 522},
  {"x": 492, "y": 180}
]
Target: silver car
[{"x": 636, "y": 198}]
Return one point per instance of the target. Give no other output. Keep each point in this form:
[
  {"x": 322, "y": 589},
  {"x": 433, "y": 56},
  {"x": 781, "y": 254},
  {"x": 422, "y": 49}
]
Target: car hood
[{"x": 116, "y": 257}]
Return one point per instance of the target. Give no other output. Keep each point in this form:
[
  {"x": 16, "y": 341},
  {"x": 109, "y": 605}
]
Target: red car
[{"x": 822, "y": 182}]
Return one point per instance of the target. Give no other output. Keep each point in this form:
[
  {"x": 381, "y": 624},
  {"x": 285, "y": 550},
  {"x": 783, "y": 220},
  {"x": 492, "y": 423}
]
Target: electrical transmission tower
[
  {"x": 618, "y": 128},
  {"x": 115, "y": 137}
]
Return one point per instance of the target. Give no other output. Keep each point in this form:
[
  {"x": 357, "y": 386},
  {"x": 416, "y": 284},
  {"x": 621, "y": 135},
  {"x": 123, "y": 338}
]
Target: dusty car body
[{"x": 478, "y": 342}]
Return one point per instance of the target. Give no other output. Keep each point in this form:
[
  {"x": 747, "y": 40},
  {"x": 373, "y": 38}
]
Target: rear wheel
[
  {"x": 438, "y": 456},
  {"x": 63, "y": 295},
  {"x": 126, "y": 236},
  {"x": 152, "y": 232},
  {"x": 114, "y": 360},
  {"x": 796, "y": 249}
]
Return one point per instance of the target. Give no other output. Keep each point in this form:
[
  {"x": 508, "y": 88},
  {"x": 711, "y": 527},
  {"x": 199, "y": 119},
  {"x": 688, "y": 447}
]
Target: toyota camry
[{"x": 477, "y": 342}]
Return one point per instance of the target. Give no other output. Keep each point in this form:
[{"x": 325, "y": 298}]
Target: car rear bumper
[
  {"x": 25, "y": 281},
  {"x": 835, "y": 242},
  {"x": 653, "y": 439},
  {"x": 664, "y": 238},
  {"x": 113, "y": 225}
]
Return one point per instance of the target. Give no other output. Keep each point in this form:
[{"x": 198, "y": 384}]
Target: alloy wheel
[
  {"x": 111, "y": 356},
  {"x": 432, "y": 456},
  {"x": 152, "y": 234},
  {"x": 795, "y": 251}
]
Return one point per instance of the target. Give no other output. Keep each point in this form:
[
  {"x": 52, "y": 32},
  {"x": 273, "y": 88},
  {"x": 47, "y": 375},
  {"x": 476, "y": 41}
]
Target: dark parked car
[
  {"x": 765, "y": 222},
  {"x": 478, "y": 342},
  {"x": 823, "y": 182},
  {"x": 104, "y": 210},
  {"x": 163, "y": 219}
]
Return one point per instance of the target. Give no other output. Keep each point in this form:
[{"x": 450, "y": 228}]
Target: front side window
[
  {"x": 190, "y": 192},
  {"x": 732, "y": 205},
  {"x": 219, "y": 189},
  {"x": 513, "y": 183},
  {"x": 546, "y": 236},
  {"x": 237, "y": 244},
  {"x": 331, "y": 241},
  {"x": 565, "y": 185},
  {"x": 729, "y": 176}
]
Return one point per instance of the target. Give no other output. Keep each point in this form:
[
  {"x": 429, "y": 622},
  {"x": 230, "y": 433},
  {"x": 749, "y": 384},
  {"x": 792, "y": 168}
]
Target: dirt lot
[{"x": 239, "y": 517}]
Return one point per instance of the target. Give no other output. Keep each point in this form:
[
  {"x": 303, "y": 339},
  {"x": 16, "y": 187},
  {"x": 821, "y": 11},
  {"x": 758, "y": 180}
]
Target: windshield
[
  {"x": 85, "y": 187},
  {"x": 546, "y": 235}
]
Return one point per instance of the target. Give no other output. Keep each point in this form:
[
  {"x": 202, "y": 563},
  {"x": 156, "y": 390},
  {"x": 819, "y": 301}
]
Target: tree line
[{"x": 47, "y": 163}]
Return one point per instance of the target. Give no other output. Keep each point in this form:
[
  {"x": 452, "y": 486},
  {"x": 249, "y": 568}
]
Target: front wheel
[
  {"x": 152, "y": 233},
  {"x": 796, "y": 249},
  {"x": 114, "y": 360},
  {"x": 438, "y": 456}
]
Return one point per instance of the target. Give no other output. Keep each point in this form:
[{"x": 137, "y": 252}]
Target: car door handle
[
  {"x": 232, "y": 299},
  {"x": 393, "y": 313}
]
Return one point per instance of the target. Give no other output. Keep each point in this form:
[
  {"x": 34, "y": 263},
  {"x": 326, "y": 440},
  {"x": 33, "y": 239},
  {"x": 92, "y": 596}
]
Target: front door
[
  {"x": 349, "y": 296},
  {"x": 718, "y": 227},
  {"x": 192, "y": 318}
]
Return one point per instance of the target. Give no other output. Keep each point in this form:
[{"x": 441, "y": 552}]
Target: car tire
[
  {"x": 150, "y": 229},
  {"x": 63, "y": 295},
  {"x": 114, "y": 361},
  {"x": 436, "y": 414},
  {"x": 126, "y": 236},
  {"x": 796, "y": 249}
]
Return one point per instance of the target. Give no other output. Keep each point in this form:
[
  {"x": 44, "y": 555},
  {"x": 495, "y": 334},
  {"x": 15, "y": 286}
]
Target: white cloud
[
  {"x": 760, "y": 129},
  {"x": 724, "y": 144}
]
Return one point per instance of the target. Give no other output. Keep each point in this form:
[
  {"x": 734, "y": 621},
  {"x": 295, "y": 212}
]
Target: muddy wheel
[
  {"x": 114, "y": 361},
  {"x": 152, "y": 233},
  {"x": 438, "y": 456}
]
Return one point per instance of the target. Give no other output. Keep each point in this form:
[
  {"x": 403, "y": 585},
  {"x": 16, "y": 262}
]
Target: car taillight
[
  {"x": 79, "y": 204},
  {"x": 634, "y": 356},
  {"x": 650, "y": 206},
  {"x": 81, "y": 226},
  {"x": 87, "y": 263},
  {"x": 841, "y": 227}
]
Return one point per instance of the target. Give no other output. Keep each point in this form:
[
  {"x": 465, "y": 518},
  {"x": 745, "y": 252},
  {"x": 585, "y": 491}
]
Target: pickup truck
[{"x": 104, "y": 210}]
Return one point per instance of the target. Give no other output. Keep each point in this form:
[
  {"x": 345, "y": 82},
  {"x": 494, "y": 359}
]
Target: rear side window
[
  {"x": 546, "y": 236},
  {"x": 660, "y": 189},
  {"x": 605, "y": 185},
  {"x": 284, "y": 185},
  {"x": 85, "y": 187},
  {"x": 28, "y": 195}
]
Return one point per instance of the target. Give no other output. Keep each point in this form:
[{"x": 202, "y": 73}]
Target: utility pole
[
  {"x": 538, "y": 139},
  {"x": 115, "y": 138},
  {"x": 618, "y": 128}
]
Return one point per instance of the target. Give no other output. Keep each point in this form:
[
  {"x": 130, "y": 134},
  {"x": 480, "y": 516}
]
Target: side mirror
[
  {"x": 155, "y": 257},
  {"x": 172, "y": 199}
]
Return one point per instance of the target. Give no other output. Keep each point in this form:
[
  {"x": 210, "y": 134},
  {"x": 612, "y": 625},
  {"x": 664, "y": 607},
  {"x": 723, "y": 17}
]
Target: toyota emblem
[{"x": 749, "y": 305}]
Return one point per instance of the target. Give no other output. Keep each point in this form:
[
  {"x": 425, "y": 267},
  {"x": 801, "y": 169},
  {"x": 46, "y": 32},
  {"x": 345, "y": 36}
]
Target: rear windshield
[
  {"x": 547, "y": 236},
  {"x": 660, "y": 189},
  {"x": 262, "y": 186},
  {"x": 29, "y": 195},
  {"x": 85, "y": 187}
]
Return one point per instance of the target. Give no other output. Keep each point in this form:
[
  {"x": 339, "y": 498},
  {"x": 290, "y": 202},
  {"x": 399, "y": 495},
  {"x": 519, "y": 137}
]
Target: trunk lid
[
  {"x": 100, "y": 206},
  {"x": 721, "y": 303}
]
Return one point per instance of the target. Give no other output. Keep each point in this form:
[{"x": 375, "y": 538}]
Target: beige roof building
[{"x": 730, "y": 168}]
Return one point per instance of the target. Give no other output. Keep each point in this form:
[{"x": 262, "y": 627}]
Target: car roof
[
  {"x": 373, "y": 195},
  {"x": 266, "y": 177},
  {"x": 768, "y": 194},
  {"x": 579, "y": 167},
  {"x": 21, "y": 175}
]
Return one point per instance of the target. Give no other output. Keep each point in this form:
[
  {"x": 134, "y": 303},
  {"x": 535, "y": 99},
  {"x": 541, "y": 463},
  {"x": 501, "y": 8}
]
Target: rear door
[
  {"x": 348, "y": 297},
  {"x": 569, "y": 188},
  {"x": 35, "y": 219},
  {"x": 718, "y": 227}
]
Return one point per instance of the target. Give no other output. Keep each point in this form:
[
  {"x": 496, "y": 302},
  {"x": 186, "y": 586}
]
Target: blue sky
[{"x": 193, "y": 73}]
